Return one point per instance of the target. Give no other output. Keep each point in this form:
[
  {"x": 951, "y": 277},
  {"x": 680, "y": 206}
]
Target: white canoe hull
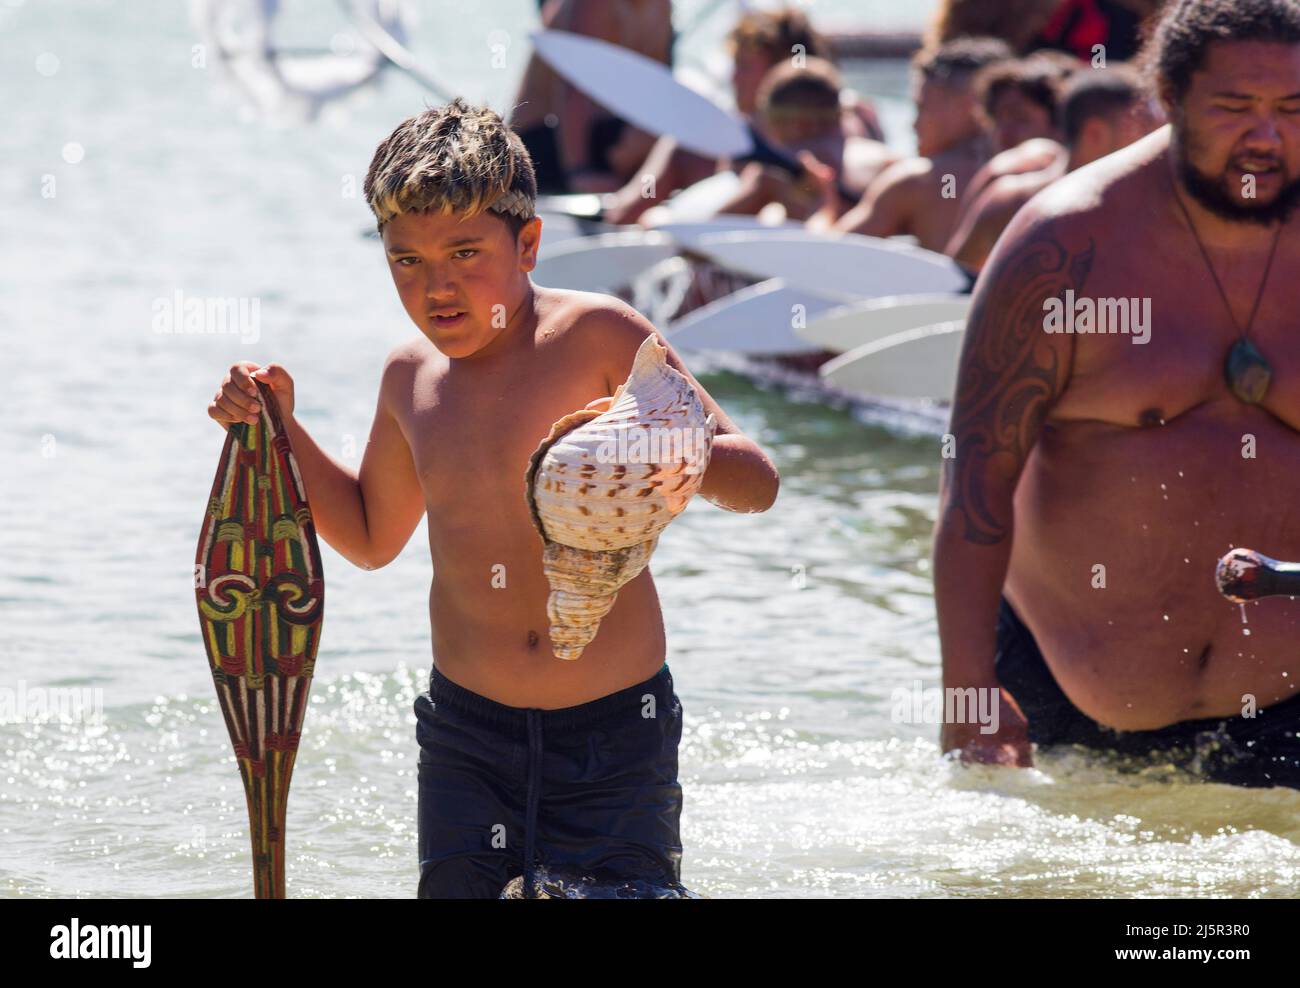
[
  {"x": 758, "y": 321},
  {"x": 602, "y": 263},
  {"x": 919, "y": 364},
  {"x": 644, "y": 93},
  {"x": 849, "y": 326},
  {"x": 843, "y": 266}
]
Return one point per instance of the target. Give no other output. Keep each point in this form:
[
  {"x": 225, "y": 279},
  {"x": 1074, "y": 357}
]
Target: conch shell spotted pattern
[{"x": 603, "y": 485}]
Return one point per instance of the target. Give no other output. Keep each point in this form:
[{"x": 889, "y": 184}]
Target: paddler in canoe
[
  {"x": 1126, "y": 412},
  {"x": 799, "y": 107},
  {"x": 1101, "y": 111},
  {"x": 761, "y": 43},
  {"x": 529, "y": 765},
  {"x": 918, "y": 196},
  {"x": 575, "y": 144}
]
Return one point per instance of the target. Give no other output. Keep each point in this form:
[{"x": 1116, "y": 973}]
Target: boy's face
[
  {"x": 945, "y": 115},
  {"x": 460, "y": 278},
  {"x": 1017, "y": 118},
  {"x": 797, "y": 127}
]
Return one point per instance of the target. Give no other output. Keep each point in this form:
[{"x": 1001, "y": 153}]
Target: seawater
[{"x": 789, "y": 632}]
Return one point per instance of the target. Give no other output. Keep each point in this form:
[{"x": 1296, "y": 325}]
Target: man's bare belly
[{"x": 1156, "y": 507}]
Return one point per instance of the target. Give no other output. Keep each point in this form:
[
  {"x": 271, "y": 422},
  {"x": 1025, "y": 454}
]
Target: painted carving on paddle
[
  {"x": 260, "y": 596},
  {"x": 1010, "y": 374}
]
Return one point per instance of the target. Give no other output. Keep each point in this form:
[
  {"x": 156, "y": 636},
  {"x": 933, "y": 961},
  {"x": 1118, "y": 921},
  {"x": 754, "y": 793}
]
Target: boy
[
  {"x": 918, "y": 196},
  {"x": 525, "y": 760},
  {"x": 799, "y": 106},
  {"x": 1019, "y": 100}
]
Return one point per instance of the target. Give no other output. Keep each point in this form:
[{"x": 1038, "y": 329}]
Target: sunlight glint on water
[{"x": 788, "y": 632}]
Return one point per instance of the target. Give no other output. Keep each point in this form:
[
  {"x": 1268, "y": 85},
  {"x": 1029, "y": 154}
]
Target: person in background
[
  {"x": 918, "y": 196},
  {"x": 800, "y": 111},
  {"x": 1028, "y": 143},
  {"x": 575, "y": 145},
  {"x": 1080, "y": 26},
  {"x": 1019, "y": 99},
  {"x": 1017, "y": 22},
  {"x": 760, "y": 40},
  {"x": 1074, "y": 26},
  {"x": 1101, "y": 111}
]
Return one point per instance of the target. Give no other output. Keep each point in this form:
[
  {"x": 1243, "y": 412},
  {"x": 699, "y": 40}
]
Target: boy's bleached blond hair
[{"x": 455, "y": 158}]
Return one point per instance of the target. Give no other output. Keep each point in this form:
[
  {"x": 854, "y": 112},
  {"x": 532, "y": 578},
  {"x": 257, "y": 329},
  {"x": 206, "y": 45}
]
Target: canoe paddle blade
[{"x": 261, "y": 598}]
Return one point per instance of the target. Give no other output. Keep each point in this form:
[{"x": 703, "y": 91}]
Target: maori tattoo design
[{"x": 1011, "y": 373}]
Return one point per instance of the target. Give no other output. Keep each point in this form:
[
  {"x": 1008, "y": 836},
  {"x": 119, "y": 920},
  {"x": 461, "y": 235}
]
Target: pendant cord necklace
[{"x": 1247, "y": 371}]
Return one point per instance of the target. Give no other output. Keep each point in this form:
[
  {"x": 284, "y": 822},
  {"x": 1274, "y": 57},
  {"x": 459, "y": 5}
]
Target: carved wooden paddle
[{"x": 261, "y": 598}]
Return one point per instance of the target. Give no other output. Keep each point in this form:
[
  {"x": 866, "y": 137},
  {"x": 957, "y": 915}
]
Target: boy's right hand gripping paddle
[{"x": 261, "y": 597}]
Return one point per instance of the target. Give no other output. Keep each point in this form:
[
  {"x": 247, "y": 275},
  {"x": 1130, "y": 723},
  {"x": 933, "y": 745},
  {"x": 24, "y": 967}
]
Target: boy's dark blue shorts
[{"x": 586, "y": 793}]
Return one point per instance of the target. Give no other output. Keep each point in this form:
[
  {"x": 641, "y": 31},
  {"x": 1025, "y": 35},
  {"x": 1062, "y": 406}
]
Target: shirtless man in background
[
  {"x": 1023, "y": 142},
  {"x": 919, "y": 196},
  {"x": 1019, "y": 99},
  {"x": 1095, "y": 482},
  {"x": 576, "y": 145},
  {"x": 1102, "y": 110}
]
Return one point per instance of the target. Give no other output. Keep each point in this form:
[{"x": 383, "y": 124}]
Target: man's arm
[
  {"x": 740, "y": 476},
  {"x": 977, "y": 186},
  {"x": 978, "y": 230},
  {"x": 1011, "y": 374},
  {"x": 759, "y": 185},
  {"x": 887, "y": 207},
  {"x": 636, "y": 197}
]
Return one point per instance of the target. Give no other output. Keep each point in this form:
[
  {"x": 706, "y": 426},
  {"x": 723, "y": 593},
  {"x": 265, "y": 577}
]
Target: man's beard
[{"x": 1210, "y": 193}]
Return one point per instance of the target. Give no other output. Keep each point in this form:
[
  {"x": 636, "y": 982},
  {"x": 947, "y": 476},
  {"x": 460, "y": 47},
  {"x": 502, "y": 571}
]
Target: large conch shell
[{"x": 603, "y": 485}]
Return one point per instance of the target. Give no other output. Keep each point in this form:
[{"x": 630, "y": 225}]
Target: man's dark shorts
[
  {"x": 1263, "y": 750},
  {"x": 588, "y": 793}
]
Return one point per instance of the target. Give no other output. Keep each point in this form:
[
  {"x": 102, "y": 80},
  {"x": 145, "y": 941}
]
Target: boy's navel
[{"x": 532, "y": 639}]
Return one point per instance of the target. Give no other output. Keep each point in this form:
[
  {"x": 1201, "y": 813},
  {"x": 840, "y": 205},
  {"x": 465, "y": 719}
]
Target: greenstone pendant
[{"x": 1247, "y": 372}]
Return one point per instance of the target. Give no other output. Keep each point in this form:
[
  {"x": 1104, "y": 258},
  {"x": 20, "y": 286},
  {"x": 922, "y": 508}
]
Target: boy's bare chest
[{"x": 471, "y": 445}]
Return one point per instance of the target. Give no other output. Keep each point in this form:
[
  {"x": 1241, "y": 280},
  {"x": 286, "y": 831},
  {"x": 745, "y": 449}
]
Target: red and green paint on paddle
[{"x": 261, "y": 598}]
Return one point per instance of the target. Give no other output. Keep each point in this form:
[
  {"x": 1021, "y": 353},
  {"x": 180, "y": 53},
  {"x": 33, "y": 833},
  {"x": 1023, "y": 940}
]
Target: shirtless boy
[
  {"x": 1098, "y": 478},
  {"x": 919, "y": 196},
  {"x": 526, "y": 761},
  {"x": 1022, "y": 141},
  {"x": 799, "y": 107},
  {"x": 1101, "y": 111}
]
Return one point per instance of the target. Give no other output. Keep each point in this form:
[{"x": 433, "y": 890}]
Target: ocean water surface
[{"x": 130, "y": 177}]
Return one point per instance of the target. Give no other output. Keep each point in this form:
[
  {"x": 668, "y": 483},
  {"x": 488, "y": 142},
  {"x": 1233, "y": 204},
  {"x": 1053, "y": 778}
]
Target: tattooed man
[{"x": 1128, "y": 409}]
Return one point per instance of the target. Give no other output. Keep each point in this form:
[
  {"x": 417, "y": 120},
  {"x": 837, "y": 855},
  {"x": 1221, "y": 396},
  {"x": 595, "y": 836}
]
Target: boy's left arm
[{"x": 740, "y": 476}]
